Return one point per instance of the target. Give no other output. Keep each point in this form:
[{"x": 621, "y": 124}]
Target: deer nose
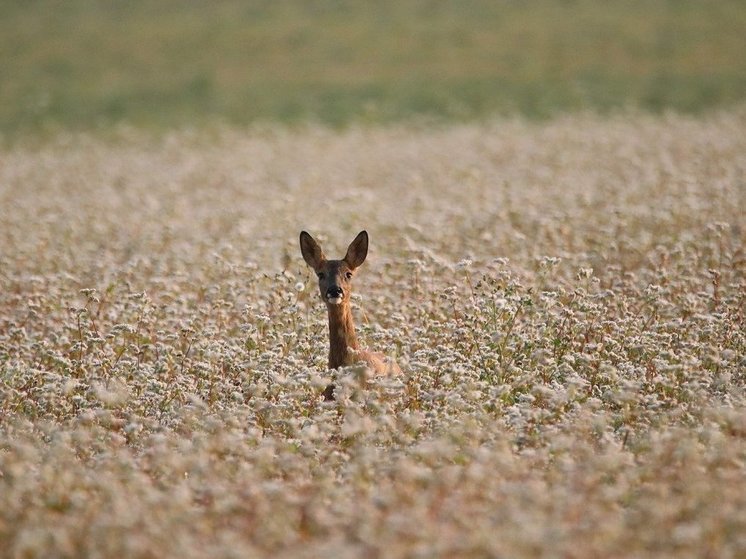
[{"x": 334, "y": 292}]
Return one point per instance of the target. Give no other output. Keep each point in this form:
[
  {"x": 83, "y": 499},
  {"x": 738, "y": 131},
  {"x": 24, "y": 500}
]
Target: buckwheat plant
[{"x": 566, "y": 302}]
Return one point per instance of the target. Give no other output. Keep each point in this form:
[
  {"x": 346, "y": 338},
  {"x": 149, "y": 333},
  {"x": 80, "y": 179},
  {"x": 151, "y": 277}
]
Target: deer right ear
[
  {"x": 311, "y": 251},
  {"x": 357, "y": 251}
]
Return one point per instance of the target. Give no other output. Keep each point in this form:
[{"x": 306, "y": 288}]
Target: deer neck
[{"x": 342, "y": 340}]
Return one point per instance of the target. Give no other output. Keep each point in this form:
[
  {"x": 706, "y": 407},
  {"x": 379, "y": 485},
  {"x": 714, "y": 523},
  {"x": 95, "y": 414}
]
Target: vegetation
[
  {"x": 86, "y": 65},
  {"x": 566, "y": 300}
]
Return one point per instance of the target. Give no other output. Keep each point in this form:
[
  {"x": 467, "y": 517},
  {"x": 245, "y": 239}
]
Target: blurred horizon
[{"x": 85, "y": 65}]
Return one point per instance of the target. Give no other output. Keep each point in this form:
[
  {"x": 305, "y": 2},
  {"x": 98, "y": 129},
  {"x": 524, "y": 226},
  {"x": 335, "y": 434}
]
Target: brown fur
[{"x": 337, "y": 275}]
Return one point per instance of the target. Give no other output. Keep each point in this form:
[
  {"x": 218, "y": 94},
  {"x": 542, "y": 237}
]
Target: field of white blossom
[{"x": 565, "y": 299}]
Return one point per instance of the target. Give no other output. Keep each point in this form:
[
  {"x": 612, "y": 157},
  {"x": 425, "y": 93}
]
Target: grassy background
[{"x": 85, "y": 64}]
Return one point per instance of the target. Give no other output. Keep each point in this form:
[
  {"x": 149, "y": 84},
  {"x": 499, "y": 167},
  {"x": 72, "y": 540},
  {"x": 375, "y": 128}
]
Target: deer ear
[
  {"x": 311, "y": 251},
  {"x": 357, "y": 251}
]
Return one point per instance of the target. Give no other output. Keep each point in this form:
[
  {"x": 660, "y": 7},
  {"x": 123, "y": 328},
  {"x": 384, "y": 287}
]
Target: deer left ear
[
  {"x": 357, "y": 251},
  {"x": 311, "y": 251}
]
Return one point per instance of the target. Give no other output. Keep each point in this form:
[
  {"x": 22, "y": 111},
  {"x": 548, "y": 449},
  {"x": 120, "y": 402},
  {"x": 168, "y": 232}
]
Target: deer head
[{"x": 335, "y": 276}]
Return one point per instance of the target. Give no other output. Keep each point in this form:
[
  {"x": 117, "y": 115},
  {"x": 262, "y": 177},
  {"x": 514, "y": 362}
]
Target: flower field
[{"x": 565, "y": 299}]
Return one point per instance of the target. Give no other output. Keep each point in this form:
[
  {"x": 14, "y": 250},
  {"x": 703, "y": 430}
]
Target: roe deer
[{"x": 335, "y": 286}]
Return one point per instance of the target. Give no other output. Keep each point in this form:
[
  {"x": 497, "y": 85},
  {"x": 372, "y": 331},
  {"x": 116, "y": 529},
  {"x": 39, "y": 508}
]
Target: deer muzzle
[{"x": 334, "y": 294}]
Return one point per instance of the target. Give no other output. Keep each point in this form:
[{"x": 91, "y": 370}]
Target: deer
[{"x": 335, "y": 288}]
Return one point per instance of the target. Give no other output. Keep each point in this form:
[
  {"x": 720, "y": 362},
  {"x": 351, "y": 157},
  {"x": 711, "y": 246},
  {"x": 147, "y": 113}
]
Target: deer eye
[
  {"x": 348, "y": 275},
  {"x": 321, "y": 275}
]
